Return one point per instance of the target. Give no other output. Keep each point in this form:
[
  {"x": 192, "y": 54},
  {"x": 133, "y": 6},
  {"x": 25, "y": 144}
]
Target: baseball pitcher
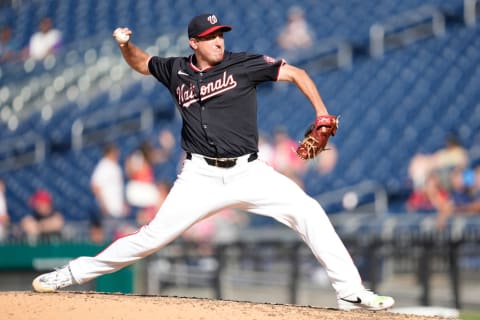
[{"x": 215, "y": 93}]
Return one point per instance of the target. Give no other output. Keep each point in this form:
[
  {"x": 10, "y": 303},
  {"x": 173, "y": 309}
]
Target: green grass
[{"x": 470, "y": 315}]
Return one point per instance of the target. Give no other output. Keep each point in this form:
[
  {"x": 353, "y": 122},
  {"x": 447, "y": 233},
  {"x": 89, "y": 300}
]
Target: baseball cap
[
  {"x": 40, "y": 196},
  {"x": 205, "y": 24}
]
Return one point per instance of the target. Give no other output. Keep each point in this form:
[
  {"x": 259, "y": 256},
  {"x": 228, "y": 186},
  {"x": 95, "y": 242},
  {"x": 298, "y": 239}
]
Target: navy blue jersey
[{"x": 218, "y": 105}]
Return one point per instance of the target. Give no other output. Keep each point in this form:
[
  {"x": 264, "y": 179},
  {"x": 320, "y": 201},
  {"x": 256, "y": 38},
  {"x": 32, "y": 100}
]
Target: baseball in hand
[{"x": 121, "y": 36}]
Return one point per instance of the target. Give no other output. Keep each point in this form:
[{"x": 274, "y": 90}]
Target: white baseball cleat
[
  {"x": 366, "y": 300},
  {"x": 52, "y": 281}
]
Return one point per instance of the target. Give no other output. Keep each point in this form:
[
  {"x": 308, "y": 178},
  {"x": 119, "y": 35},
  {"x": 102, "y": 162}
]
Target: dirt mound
[{"x": 21, "y": 305}]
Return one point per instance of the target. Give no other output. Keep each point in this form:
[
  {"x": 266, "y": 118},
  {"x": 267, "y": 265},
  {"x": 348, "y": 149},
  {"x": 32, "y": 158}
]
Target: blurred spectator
[
  {"x": 4, "y": 216},
  {"x": 471, "y": 179},
  {"x": 141, "y": 190},
  {"x": 145, "y": 215},
  {"x": 452, "y": 156},
  {"x": 9, "y": 50},
  {"x": 464, "y": 195},
  {"x": 437, "y": 180},
  {"x": 443, "y": 161},
  {"x": 45, "y": 41},
  {"x": 107, "y": 185},
  {"x": 229, "y": 225},
  {"x": 222, "y": 227},
  {"x": 296, "y": 34},
  {"x": 462, "y": 187},
  {"x": 166, "y": 141},
  {"x": 44, "y": 222},
  {"x": 432, "y": 197},
  {"x": 285, "y": 159},
  {"x": 419, "y": 168}
]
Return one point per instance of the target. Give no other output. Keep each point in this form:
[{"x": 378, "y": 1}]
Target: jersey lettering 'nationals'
[
  {"x": 219, "y": 104},
  {"x": 186, "y": 95}
]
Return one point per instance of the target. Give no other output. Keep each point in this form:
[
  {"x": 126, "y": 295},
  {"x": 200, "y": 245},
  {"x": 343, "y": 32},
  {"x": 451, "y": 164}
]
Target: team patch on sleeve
[{"x": 269, "y": 59}]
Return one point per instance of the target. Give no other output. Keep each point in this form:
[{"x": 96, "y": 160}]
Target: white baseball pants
[{"x": 201, "y": 189}]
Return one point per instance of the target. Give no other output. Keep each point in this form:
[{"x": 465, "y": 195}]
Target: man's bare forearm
[{"x": 135, "y": 57}]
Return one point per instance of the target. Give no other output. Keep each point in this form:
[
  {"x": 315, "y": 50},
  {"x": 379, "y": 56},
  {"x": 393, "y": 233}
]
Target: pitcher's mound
[{"x": 63, "y": 305}]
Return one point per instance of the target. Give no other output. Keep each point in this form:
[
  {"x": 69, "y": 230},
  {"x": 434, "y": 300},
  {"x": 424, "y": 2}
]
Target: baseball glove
[{"x": 316, "y": 137}]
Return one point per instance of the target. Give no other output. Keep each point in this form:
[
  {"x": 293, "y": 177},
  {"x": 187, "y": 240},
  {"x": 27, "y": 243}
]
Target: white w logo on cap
[{"x": 212, "y": 19}]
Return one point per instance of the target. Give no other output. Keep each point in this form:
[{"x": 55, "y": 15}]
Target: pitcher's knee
[
  {"x": 310, "y": 209},
  {"x": 155, "y": 238},
  {"x": 311, "y": 205}
]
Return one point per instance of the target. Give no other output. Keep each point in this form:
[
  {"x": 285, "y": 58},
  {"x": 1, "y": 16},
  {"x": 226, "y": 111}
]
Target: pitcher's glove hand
[{"x": 316, "y": 136}]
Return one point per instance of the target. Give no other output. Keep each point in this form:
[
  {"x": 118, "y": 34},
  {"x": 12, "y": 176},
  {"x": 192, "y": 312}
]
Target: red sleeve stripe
[{"x": 281, "y": 64}]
